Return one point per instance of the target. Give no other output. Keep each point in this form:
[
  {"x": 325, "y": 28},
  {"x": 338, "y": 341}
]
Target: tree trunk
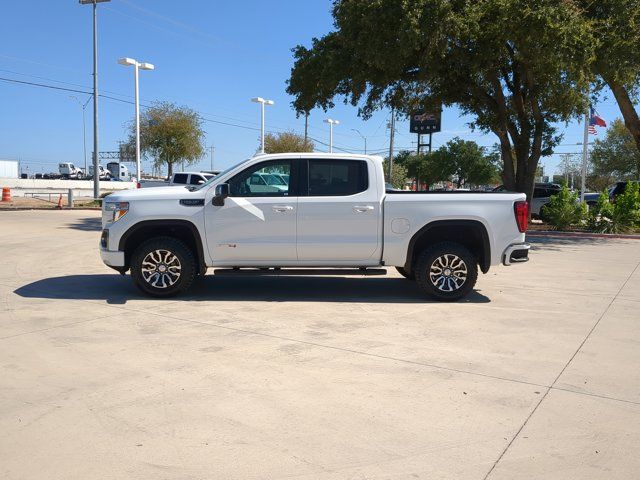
[
  {"x": 631, "y": 120},
  {"x": 169, "y": 169}
]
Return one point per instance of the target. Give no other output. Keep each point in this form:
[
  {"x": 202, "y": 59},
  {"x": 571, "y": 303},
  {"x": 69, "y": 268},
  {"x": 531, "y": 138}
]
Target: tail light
[
  {"x": 521, "y": 211},
  {"x": 138, "y": 185}
]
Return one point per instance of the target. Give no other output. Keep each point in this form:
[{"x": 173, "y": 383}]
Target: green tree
[
  {"x": 616, "y": 155},
  {"x": 616, "y": 34},
  {"x": 516, "y": 66},
  {"x": 287, "y": 142},
  {"x": 170, "y": 134},
  {"x": 424, "y": 167},
  {"x": 468, "y": 162},
  {"x": 398, "y": 174}
]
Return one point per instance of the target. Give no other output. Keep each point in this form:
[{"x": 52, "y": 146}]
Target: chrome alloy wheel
[
  {"x": 161, "y": 269},
  {"x": 448, "y": 272}
]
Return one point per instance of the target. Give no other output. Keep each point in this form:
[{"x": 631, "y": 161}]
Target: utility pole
[
  {"x": 96, "y": 171},
  {"x": 212, "y": 149},
  {"x": 306, "y": 126},
  {"x": 391, "y": 136}
]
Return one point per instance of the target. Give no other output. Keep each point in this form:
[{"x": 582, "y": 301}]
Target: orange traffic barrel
[{"x": 6, "y": 194}]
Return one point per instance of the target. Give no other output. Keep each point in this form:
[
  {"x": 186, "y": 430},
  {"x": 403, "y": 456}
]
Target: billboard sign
[{"x": 425, "y": 122}]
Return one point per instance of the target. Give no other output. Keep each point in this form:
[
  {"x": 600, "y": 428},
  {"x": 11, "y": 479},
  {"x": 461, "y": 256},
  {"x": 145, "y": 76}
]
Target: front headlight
[{"x": 117, "y": 209}]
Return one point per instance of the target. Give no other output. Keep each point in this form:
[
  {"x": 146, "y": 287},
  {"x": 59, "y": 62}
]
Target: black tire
[
  {"x": 173, "y": 261},
  {"x": 405, "y": 274},
  {"x": 436, "y": 284}
]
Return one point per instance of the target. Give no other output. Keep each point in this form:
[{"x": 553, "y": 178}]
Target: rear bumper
[{"x": 516, "y": 253}]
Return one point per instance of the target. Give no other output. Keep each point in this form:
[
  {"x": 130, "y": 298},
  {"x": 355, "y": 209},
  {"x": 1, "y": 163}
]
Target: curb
[{"x": 551, "y": 233}]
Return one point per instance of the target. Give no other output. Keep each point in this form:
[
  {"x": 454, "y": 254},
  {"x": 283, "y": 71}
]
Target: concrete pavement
[{"x": 535, "y": 376}]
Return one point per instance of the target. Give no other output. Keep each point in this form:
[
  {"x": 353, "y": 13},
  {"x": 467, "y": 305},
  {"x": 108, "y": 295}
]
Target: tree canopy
[
  {"x": 170, "y": 134},
  {"x": 616, "y": 35},
  {"x": 459, "y": 161},
  {"x": 616, "y": 156},
  {"x": 287, "y": 142},
  {"x": 516, "y": 66}
]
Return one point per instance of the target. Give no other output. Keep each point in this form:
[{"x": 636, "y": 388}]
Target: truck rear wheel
[
  {"x": 163, "y": 267},
  {"x": 446, "y": 271}
]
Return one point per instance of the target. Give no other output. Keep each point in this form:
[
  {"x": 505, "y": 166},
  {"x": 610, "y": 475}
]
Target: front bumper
[
  {"x": 516, "y": 253},
  {"x": 112, "y": 258}
]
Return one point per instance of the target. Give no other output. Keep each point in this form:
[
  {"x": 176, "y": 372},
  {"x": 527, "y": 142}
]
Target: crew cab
[{"x": 334, "y": 212}]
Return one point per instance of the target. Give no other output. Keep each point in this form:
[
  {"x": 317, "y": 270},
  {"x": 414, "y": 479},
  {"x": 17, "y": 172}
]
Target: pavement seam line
[
  {"x": 373, "y": 355},
  {"x": 504, "y": 451},
  {"x": 346, "y": 350},
  {"x": 56, "y": 326}
]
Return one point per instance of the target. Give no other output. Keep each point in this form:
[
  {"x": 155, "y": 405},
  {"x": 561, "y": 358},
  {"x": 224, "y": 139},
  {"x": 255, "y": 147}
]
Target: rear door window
[{"x": 337, "y": 177}]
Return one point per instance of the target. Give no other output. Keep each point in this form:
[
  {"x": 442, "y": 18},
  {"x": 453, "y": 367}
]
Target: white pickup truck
[{"x": 334, "y": 212}]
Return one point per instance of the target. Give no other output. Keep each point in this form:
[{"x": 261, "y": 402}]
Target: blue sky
[{"x": 211, "y": 56}]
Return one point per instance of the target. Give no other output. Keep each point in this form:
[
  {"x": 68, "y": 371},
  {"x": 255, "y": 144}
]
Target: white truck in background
[
  {"x": 334, "y": 212},
  {"x": 70, "y": 171},
  {"x": 179, "y": 179}
]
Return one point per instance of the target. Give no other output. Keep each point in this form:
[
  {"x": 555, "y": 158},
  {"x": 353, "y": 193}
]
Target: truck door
[
  {"x": 257, "y": 224},
  {"x": 339, "y": 214}
]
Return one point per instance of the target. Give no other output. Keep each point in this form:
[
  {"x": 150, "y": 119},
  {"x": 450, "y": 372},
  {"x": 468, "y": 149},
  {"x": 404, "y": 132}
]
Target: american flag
[{"x": 595, "y": 120}]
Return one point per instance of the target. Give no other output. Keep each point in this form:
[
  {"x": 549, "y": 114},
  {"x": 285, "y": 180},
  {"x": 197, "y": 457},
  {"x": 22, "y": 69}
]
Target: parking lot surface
[{"x": 252, "y": 375}]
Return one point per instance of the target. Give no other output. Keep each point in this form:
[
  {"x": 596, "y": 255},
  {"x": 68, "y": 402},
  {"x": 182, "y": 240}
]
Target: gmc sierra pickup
[{"x": 332, "y": 211}]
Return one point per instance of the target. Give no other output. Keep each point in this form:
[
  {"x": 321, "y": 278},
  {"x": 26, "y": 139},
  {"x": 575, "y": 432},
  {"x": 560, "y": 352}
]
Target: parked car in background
[
  {"x": 617, "y": 189},
  {"x": 189, "y": 178},
  {"x": 180, "y": 179},
  {"x": 542, "y": 193}
]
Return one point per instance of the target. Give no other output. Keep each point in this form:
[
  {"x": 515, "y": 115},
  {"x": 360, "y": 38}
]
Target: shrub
[
  {"x": 626, "y": 210},
  {"x": 564, "y": 210},
  {"x": 600, "y": 215},
  {"x": 621, "y": 217}
]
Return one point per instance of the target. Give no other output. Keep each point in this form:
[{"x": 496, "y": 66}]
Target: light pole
[
  {"x": 363, "y": 137},
  {"x": 130, "y": 62},
  {"x": 331, "y": 123},
  {"x": 84, "y": 131},
  {"x": 96, "y": 171},
  {"x": 262, "y": 103}
]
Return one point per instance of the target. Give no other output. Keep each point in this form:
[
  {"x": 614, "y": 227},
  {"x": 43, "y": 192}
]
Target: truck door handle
[
  {"x": 282, "y": 208},
  {"x": 362, "y": 208}
]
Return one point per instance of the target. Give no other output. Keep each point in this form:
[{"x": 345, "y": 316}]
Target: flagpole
[{"x": 585, "y": 154}]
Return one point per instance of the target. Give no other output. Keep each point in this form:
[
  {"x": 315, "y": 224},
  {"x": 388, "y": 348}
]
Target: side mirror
[
  {"x": 222, "y": 192},
  {"x": 200, "y": 182}
]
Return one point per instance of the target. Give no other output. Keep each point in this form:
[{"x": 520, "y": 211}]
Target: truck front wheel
[
  {"x": 446, "y": 271},
  {"x": 163, "y": 267}
]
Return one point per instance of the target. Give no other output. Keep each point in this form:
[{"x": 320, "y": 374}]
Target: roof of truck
[{"x": 318, "y": 155}]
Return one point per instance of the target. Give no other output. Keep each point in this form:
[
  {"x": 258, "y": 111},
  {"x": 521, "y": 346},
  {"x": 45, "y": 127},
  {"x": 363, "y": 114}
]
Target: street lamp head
[
  {"x": 127, "y": 61},
  {"x": 147, "y": 66},
  {"x": 331, "y": 121},
  {"x": 91, "y": 2},
  {"x": 262, "y": 100}
]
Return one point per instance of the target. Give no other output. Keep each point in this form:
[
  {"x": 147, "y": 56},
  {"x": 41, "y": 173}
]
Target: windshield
[{"x": 224, "y": 172}]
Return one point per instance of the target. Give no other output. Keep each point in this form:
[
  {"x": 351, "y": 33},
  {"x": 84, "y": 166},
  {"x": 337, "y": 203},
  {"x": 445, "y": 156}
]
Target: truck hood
[{"x": 156, "y": 193}]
